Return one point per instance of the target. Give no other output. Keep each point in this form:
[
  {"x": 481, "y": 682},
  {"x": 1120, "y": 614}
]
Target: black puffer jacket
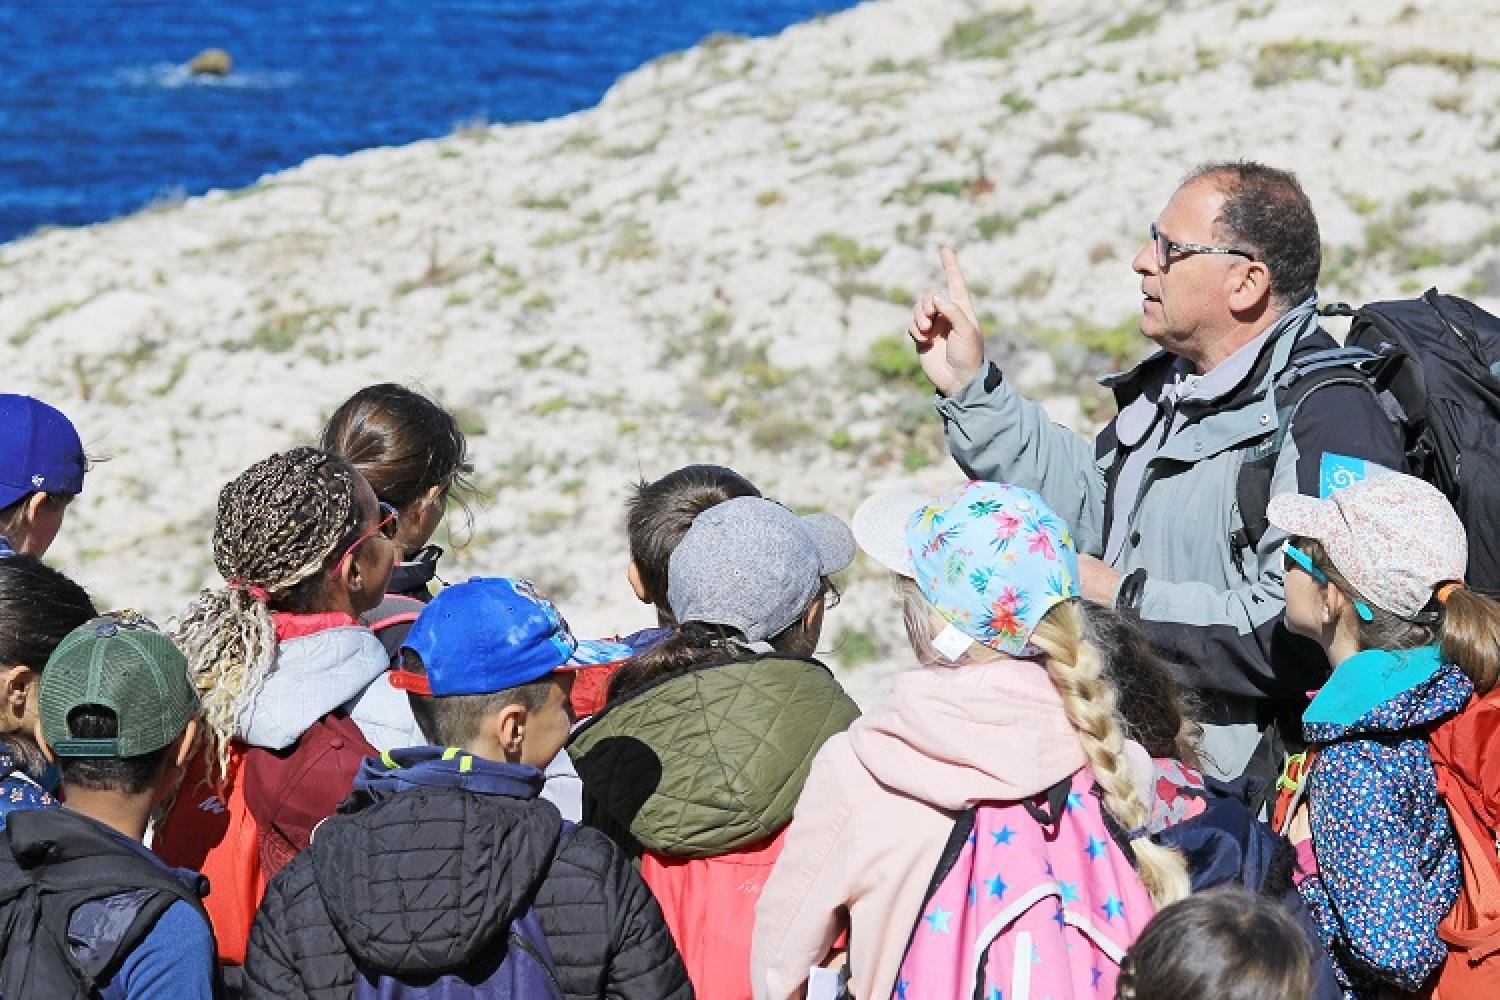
[{"x": 415, "y": 879}]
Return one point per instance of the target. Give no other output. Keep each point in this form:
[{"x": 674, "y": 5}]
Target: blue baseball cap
[
  {"x": 491, "y": 634},
  {"x": 39, "y": 450}
]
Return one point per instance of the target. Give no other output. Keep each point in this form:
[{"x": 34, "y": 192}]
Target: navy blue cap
[
  {"x": 39, "y": 450},
  {"x": 492, "y": 634}
]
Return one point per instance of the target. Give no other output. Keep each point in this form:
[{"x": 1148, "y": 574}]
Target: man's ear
[
  {"x": 15, "y": 687},
  {"x": 1252, "y": 292},
  {"x": 633, "y": 574}
]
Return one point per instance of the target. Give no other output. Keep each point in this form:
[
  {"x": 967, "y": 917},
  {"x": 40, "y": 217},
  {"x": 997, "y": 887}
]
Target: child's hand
[{"x": 946, "y": 332}]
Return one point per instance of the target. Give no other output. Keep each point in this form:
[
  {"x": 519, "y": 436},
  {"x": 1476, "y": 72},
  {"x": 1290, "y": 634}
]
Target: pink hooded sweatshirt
[{"x": 880, "y": 803}]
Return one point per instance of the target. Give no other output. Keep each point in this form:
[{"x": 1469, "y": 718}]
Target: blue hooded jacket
[{"x": 1388, "y": 869}]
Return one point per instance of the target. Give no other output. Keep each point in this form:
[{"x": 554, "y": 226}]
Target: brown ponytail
[
  {"x": 1470, "y": 637},
  {"x": 1464, "y": 624}
]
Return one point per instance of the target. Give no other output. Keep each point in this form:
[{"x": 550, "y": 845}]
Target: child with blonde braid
[
  {"x": 1011, "y": 709},
  {"x": 286, "y": 673}
]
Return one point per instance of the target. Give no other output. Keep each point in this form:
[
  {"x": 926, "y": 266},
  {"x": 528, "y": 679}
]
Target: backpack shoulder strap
[
  {"x": 1300, "y": 379},
  {"x": 396, "y": 609},
  {"x": 958, "y": 839}
]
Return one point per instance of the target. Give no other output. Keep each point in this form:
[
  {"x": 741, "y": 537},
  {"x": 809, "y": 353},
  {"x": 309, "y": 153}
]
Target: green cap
[{"x": 120, "y": 662}]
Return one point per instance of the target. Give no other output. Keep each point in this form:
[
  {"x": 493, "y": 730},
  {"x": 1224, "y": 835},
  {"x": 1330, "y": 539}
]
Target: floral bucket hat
[{"x": 992, "y": 558}]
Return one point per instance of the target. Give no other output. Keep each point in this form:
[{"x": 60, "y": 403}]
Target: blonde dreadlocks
[{"x": 279, "y": 523}]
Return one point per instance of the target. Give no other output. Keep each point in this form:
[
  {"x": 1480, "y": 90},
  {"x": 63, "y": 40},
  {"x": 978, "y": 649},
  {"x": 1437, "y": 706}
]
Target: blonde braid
[
  {"x": 278, "y": 525},
  {"x": 1077, "y": 671}
]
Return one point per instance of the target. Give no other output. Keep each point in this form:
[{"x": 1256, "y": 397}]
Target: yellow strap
[
  {"x": 1285, "y": 781},
  {"x": 450, "y": 753},
  {"x": 388, "y": 760},
  {"x": 465, "y": 764}
]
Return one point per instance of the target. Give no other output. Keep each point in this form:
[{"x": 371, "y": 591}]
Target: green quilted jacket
[{"x": 711, "y": 759}]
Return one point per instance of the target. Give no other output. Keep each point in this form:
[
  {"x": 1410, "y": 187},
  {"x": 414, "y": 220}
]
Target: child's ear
[
  {"x": 1334, "y": 604},
  {"x": 633, "y": 574},
  {"x": 15, "y": 686},
  {"x": 508, "y": 727}
]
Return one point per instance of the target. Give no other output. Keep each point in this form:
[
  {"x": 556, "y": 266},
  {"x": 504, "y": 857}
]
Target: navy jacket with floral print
[{"x": 1388, "y": 867}]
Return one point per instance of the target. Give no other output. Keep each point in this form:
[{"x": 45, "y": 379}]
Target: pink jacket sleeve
[{"x": 797, "y": 918}]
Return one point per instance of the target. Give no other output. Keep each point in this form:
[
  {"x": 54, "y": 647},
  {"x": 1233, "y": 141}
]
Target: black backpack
[
  {"x": 51, "y": 862},
  {"x": 1434, "y": 362}
]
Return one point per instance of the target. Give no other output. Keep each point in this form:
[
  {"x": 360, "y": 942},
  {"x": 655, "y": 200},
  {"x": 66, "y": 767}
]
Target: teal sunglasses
[{"x": 1295, "y": 557}]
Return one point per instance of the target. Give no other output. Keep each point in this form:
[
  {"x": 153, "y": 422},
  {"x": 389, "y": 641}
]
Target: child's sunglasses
[{"x": 1295, "y": 558}]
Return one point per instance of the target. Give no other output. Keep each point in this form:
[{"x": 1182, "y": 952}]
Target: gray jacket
[{"x": 1211, "y": 601}]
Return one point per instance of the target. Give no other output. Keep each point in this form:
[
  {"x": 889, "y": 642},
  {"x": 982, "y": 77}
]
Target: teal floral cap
[{"x": 990, "y": 557}]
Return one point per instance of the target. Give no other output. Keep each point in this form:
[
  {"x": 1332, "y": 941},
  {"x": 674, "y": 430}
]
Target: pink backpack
[{"x": 1030, "y": 899}]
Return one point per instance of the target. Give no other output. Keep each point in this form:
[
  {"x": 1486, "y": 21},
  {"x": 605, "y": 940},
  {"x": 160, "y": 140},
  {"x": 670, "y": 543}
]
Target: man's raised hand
[{"x": 946, "y": 331}]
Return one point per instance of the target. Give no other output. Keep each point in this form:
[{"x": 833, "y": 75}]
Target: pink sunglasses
[{"x": 388, "y": 526}]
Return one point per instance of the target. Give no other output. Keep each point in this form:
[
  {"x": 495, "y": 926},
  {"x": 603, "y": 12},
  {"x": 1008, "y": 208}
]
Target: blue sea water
[{"x": 98, "y": 115}]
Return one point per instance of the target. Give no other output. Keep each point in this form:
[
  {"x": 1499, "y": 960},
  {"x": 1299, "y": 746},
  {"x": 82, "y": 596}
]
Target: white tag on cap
[{"x": 952, "y": 642}]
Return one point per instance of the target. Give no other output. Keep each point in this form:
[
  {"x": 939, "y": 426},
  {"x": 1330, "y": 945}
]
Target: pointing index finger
[{"x": 958, "y": 289}]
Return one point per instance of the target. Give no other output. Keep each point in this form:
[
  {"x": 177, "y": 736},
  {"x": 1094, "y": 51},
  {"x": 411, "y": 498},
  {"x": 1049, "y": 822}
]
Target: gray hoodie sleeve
[{"x": 997, "y": 434}]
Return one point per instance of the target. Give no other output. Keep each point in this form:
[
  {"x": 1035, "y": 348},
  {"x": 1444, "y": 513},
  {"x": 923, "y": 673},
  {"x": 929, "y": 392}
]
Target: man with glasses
[{"x": 1165, "y": 499}]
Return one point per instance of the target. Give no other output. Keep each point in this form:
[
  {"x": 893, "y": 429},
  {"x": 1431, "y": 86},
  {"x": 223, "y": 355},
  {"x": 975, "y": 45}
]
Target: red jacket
[
  {"x": 1466, "y": 754},
  {"x": 709, "y": 904}
]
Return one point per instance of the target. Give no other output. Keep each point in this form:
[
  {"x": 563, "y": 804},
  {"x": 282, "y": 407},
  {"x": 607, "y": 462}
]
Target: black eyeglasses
[{"x": 1165, "y": 248}]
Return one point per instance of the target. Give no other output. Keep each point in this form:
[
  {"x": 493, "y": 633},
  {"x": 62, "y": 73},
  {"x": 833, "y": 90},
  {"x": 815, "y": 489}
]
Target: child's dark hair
[
  {"x": 659, "y": 513},
  {"x": 38, "y": 606},
  {"x": 25, "y": 753},
  {"x": 454, "y": 720},
  {"x": 280, "y": 524},
  {"x": 1466, "y": 625},
  {"x": 695, "y": 643},
  {"x": 128, "y": 775},
  {"x": 402, "y": 442},
  {"x": 1221, "y": 944},
  {"x": 1158, "y": 712}
]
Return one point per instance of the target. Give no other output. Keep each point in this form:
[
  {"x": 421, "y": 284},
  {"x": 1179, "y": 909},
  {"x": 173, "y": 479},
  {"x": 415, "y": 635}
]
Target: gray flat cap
[{"x": 753, "y": 565}]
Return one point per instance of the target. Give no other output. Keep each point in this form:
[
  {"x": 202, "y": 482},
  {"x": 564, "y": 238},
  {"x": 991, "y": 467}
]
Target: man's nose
[{"x": 1145, "y": 260}]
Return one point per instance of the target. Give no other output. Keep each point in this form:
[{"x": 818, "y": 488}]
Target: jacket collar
[
  {"x": 1280, "y": 343},
  {"x": 410, "y": 578},
  {"x": 450, "y": 767},
  {"x": 1386, "y": 691},
  {"x": 296, "y": 626}
]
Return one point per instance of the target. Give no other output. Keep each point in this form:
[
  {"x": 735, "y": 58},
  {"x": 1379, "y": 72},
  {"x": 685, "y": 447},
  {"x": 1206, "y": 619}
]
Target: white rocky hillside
[{"x": 716, "y": 265}]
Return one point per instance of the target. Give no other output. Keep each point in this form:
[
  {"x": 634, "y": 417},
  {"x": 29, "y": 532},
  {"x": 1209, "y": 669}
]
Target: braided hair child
[
  {"x": 285, "y": 673},
  {"x": 1012, "y": 702}
]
